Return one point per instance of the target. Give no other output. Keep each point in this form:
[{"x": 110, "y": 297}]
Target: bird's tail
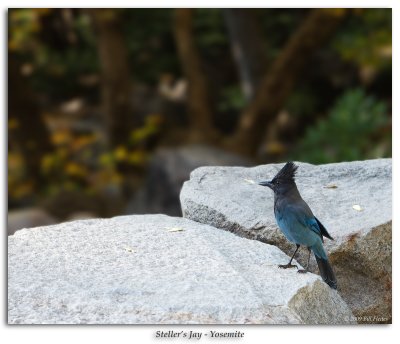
[{"x": 326, "y": 272}]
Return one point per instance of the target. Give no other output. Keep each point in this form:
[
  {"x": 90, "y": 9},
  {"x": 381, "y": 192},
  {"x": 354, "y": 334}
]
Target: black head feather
[{"x": 287, "y": 173}]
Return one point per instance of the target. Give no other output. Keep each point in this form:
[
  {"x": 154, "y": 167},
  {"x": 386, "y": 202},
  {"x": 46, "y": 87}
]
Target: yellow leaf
[
  {"x": 15, "y": 161},
  {"x": 154, "y": 119},
  {"x": 23, "y": 189},
  {"x": 116, "y": 178},
  {"x": 12, "y": 124},
  {"x": 83, "y": 141},
  {"x": 106, "y": 159},
  {"x": 330, "y": 186},
  {"x": 74, "y": 169},
  {"x": 129, "y": 249},
  {"x": 274, "y": 147},
  {"x": 137, "y": 158},
  {"x": 120, "y": 153},
  {"x": 336, "y": 12},
  {"x": 174, "y": 229},
  {"x": 61, "y": 137},
  {"x": 47, "y": 163}
]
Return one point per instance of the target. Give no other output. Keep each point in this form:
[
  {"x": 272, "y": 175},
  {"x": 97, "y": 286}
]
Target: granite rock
[
  {"x": 155, "y": 269},
  {"x": 352, "y": 199}
]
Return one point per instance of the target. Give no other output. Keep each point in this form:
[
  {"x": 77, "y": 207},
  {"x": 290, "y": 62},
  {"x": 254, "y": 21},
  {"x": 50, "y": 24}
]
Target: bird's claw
[
  {"x": 302, "y": 271},
  {"x": 287, "y": 266}
]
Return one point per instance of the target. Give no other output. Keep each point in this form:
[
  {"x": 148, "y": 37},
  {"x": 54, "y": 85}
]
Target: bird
[{"x": 298, "y": 223}]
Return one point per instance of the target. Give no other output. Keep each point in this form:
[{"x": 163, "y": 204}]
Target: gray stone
[
  {"x": 227, "y": 198},
  {"x": 168, "y": 169},
  {"x": 81, "y": 215},
  {"x": 26, "y": 218},
  {"x": 155, "y": 269}
]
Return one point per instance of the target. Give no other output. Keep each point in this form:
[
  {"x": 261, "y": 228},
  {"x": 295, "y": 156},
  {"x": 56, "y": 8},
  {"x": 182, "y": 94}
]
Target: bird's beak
[{"x": 266, "y": 183}]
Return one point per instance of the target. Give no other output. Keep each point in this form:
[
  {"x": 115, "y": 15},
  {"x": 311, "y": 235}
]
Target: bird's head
[{"x": 284, "y": 179}]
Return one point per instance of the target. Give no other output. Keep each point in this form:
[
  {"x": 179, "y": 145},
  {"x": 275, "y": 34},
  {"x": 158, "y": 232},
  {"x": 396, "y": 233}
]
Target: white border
[{"x": 254, "y": 334}]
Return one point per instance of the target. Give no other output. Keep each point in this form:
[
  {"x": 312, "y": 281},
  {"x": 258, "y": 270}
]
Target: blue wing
[
  {"x": 305, "y": 216},
  {"x": 301, "y": 228},
  {"x": 324, "y": 232},
  {"x": 311, "y": 223},
  {"x": 297, "y": 227}
]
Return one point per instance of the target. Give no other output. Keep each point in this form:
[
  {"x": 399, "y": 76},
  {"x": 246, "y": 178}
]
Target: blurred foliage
[
  {"x": 51, "y": 59},
  {"x": 232, "y": 99},
  {"x": 19, "y": 186},
  {"x": 303, "y": 102},
  {"x": 74, "y": 154},
  {"x": 210, "y": 31},
  {"x": 277, "y": 25},
  {"x": 367, "y": 38},
  {"x": 341, "y": 107},
  {"x": 24, "y": 25},
  {"x": 81, "y": 163},
  {"x": 357, "y": 127},
  {"x": 152, "y": 48}
]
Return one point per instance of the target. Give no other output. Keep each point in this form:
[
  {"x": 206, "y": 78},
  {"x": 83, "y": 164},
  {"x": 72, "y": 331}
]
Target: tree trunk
[
  {"x": 31, "y": 132},
  {"x": 116, "y": 79},
  {"x": 247, "y": 46},
  {"x": 275, "y": 87},
  {"x": 199, "y": 102}
]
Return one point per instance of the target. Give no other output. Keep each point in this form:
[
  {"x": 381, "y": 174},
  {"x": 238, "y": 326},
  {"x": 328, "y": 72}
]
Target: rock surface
[
  {"x": 26, "y": 218},
  {"x": 353, "y": 200},
  {"x": 158, "y": 269},
  {"x": 167, "y": 171}
]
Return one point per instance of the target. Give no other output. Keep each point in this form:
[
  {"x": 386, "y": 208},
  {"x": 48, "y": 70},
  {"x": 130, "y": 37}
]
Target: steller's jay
[{"x": 298, "y": 223}]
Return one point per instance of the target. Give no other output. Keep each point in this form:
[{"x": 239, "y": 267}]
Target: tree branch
[
  {"x": 116, "y": 79},
  {"x": 199, "y": 103},
  {"x": 316, "y": 30}
]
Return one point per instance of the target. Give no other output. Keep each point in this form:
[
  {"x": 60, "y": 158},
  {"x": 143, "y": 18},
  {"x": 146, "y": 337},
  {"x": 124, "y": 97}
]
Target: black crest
[{"x": 287, "y": 173}]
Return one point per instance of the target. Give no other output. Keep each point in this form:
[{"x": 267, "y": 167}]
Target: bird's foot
[
  {"x": 302, "y": 271},
  {"x": 287, "y": 266}
]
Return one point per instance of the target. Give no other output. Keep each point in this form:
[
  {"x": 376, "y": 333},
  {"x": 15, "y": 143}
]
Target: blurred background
[{"x": 109, "y": 110}]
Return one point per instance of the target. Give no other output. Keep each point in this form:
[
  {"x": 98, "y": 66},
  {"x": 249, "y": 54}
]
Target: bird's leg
[
  {"x": 302, "y": 271},
  {"x": 289, "y": 265}
]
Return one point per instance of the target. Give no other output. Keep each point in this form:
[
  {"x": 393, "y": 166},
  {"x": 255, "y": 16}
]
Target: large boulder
[
  {"x": 352, "y": 199},
  {"x": 168, "y": 169},
  {"x": 157, "y": 269}
]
